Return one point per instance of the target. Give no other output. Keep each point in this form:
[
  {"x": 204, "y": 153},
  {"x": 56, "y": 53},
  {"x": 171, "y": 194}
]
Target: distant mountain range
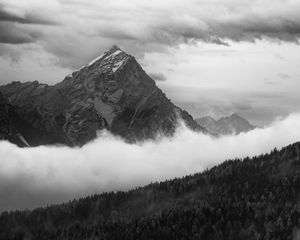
[
  {"x": 112, "y": 92},
  {"x": 233, "y": 124}
]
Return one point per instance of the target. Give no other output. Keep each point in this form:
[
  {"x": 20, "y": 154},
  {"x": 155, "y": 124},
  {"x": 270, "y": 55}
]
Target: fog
[{"x": 32, "y": 177}]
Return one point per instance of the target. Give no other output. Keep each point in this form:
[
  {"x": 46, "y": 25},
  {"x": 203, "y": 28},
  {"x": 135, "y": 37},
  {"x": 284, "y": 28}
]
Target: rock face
[
  {"x": 17, "y": 130},
  {"x": 233, "y": 124},
  {"x": 111, "y": 92},
  {"x": 8, "y": 124}
]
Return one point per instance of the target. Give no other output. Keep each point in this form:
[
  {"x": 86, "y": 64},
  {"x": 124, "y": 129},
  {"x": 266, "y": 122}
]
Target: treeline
[{"x": 249, "y": 199}]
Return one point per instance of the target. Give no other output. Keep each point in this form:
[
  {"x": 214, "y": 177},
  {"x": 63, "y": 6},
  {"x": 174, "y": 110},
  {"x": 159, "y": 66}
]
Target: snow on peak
[
  {"x": 118, "y": 64},
  {"x": 112, "y": 60},
  {"x": 95, "y": 60},
  {"x": 116, "y": 53},
  {"x": 114, "y": 48},
  {"x": 112, "y": 54}
]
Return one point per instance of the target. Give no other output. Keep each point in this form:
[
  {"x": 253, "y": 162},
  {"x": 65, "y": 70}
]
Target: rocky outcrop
[
  {"x": 111, "y": 92},
  {"x": 18, "y": 131},
  {"x": 8, "y": 129},
  {"x": 233, "y": 124}
]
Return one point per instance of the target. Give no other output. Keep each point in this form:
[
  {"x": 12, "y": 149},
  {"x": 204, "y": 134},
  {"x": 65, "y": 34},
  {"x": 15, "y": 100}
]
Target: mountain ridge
[
  {"x": 111, "y": 92},
  {"x": 228, "y": 125}
]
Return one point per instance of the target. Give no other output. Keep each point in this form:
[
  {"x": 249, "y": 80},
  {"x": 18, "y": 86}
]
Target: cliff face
[
  {"x": 8, "y": 120},
  {"x": 111, "y": 92},
  {"x": 17, "y": 130}
]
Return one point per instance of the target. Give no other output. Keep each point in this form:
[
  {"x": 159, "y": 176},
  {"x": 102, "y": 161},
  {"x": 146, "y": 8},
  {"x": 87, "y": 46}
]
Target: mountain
[
  {"x": 247, "y": 199},
  {"x": 233, "y": 124},
  {"x": 111, "y": 92},
  {"x": 17, "y": 130},
  {"x": 8, "y": 124}
]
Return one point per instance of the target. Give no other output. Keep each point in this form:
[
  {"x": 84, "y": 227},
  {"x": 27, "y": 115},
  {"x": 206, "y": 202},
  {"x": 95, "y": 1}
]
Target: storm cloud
[
  {"x": 11, "y": 34},
  {"x": 142, "y": 26},
  {"x": 27, "y": 18},
  {"x": 13, "y": 29}
]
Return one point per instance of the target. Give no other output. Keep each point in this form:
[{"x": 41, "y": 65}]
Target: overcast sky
[{"x": 210, "y": 57}]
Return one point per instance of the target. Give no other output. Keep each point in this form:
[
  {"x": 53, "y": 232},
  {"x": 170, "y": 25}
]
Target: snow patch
[
  {"x": 118, "y": 65},
  {"x": 95, "y": 60},
  {"x": 116, "y": 53},
  {"x": 113, "y": 54},
  {"x": 77, "y": 70}
]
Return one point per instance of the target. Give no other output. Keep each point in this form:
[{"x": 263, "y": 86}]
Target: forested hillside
[{"x": 250, "y": 199}]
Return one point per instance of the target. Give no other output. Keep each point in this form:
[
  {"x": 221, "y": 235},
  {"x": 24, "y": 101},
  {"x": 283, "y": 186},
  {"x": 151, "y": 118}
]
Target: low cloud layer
[
  {"x": 38, "y": 176},
  {"x": 158, "y": 77}
]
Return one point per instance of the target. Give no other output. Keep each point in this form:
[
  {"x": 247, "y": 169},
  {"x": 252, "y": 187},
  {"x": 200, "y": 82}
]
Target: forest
[{"x": 247, "y": 199}]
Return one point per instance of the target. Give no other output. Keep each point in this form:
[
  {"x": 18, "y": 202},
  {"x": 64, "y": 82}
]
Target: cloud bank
[
  {"x": 39, "y": 176},
  {"x": 140, "y": 26}
]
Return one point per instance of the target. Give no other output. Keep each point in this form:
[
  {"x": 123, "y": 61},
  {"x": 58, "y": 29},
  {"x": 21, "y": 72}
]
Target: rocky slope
[
  {"x": 111, "y": 92},
  {"x": 8, "y": 124},
  {"x": 17, "y": 130},
  {"x": 233, "y": 124}
]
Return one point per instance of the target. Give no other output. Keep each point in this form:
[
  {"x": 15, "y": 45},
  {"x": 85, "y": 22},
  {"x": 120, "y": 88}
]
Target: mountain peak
[
  {"x": 110, "y": 60},
  {"x": 111, "y": 92},
  {"x": 114, "y": 48}
]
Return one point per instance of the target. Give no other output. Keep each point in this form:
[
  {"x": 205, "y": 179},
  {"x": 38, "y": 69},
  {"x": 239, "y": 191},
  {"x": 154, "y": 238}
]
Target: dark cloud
[
  {"x": 158, "y": 77},
  {"x": 13, "y": 28},
  {"x": 140, "y": 27},
  {"x": 247, "y": 28},
  {"x": 9, "y": 33},
  {"x": 27, "y": 19},
  {"x": 13, "y": 34},
  {"x": 218, "y": 41},
  {"x": 250, "y": 28}
]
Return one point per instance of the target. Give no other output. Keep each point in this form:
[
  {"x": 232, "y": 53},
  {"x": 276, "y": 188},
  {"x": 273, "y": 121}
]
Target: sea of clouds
[{"x": 32, "y": 177}]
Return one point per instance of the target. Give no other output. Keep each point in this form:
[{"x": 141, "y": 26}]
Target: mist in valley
[{"x": 33, "y": 177}]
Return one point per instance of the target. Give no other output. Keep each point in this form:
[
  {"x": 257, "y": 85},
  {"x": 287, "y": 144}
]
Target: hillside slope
[{"x": 256, "y": 198}]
